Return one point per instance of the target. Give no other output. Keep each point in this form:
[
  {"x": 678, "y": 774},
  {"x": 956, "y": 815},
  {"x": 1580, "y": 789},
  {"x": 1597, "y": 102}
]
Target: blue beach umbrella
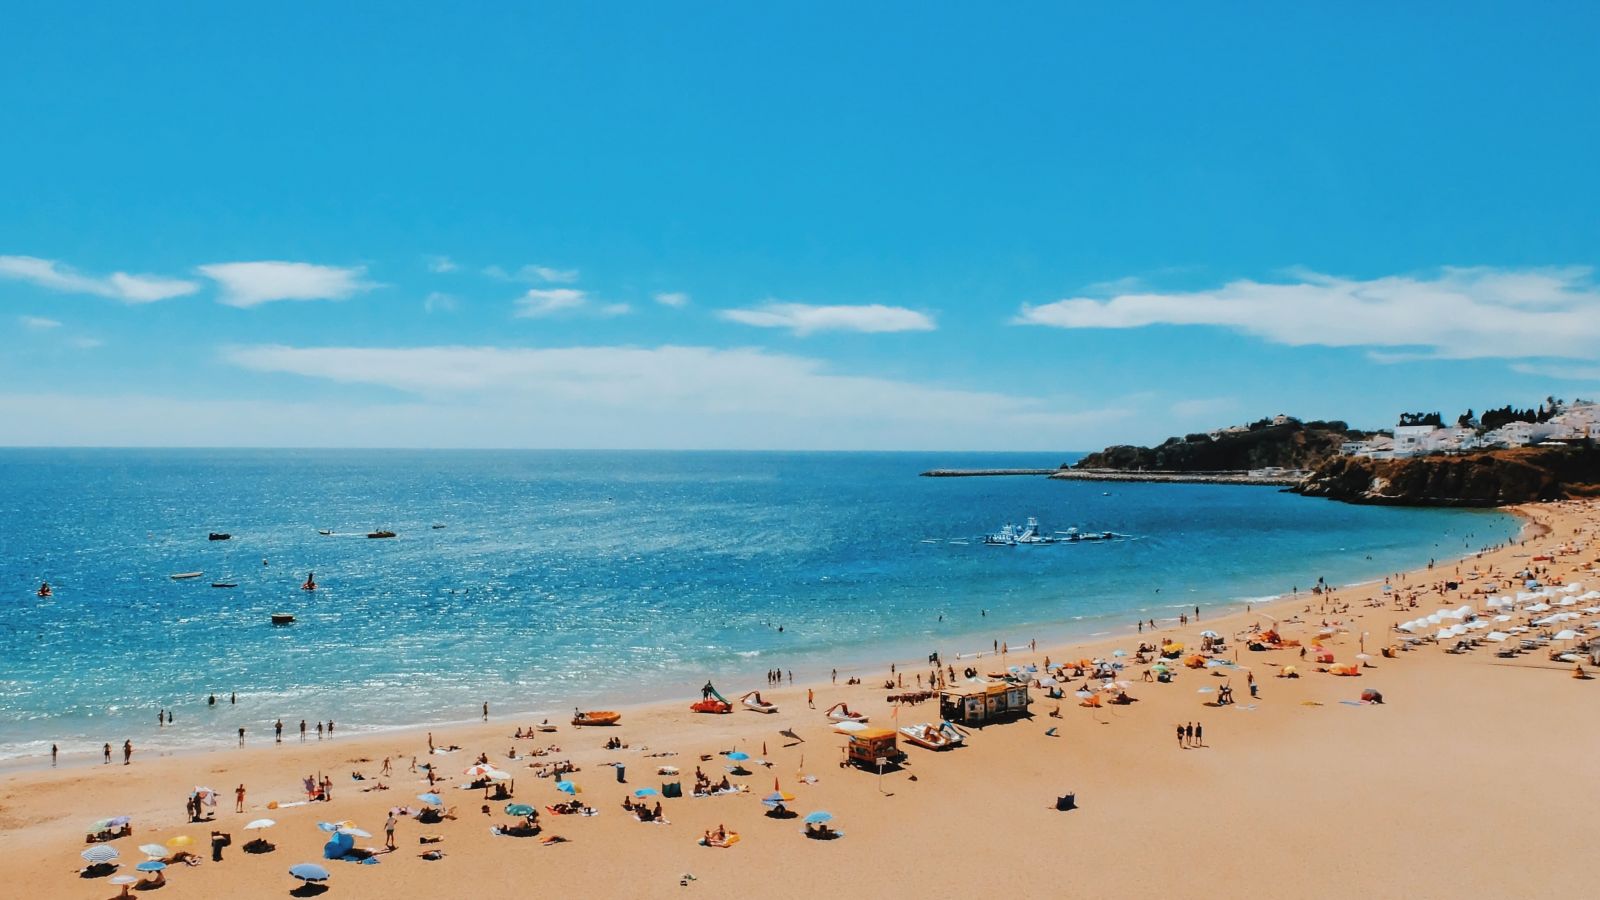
[
  {"x": 327, "y": 827},
  {"x": 1119, "y": 653},
  {"x": 646, "y": 792},
  {"x": 518, "y": 809},
  {"x": 151, "y": 865},
  {"x": 431, "y": 799},
  {"x": 566, "y": 787},
  {"x": 738, "y": 755},
  {"x": 100, "y": 855},
  {"x": 309, "y": 872},
  {"x": 818, "y": 817}
]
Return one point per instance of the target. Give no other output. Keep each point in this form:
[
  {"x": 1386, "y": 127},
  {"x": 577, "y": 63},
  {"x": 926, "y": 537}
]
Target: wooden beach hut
[{"x": 982, "y": 704}]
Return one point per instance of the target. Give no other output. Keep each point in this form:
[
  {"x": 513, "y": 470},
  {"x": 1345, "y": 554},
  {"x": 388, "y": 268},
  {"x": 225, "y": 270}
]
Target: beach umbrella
[
  {"x": 498, "y": 775},
  {"x": 777, "y": 797},
  {"x": 519, "y": 809},
  {"x": 100, "y": 854},
  {"x": 1496, "y": 636},
  {"x": 566, "y": 787},
  {"x": 355, "y": 832},
  {"x": 738, "y": 755},
  {"x": 151, "y": 865},
  {"x": 1566, "y": 634},
  {"x": 259, "y": 824},
  {"x": 1210, "y": 634},
  {"x": 1047, "y": 682},
  {"x": 1443, "y": 635},
  {"x": 109, "y": 824},
  {"x": 331, "y": 827},
  {"x": 123, "y": 881},
  {"x": 477, "y": 771},
  {"x": 309, "y": 872},
  {"x": 155, "y": 850},
  {"x": 646, "y": 792},
  {"x": 182, "y": 840},
  {"x": 431, "y": 799},
  {"x": 818, "y": 817},
  {"x": 1083, "y": 694},
  {"x": 1119, "y": 653}
]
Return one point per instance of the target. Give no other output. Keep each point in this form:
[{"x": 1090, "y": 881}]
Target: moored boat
[
  {"x": 595, "y": 717},
  {"x": 282, "y": 618},
  {"x": 224, "y": 584},
  {"x": 185, "y": 576},
  {"x": 219, "y": 536},
  {"x": 753, "y": 702},
  {"x": 380, "y": 534},
  {"x": 839, "y": 712}
]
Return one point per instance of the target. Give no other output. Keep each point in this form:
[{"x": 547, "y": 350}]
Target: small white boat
[
  {"x": 841, "y": 713},
  {"x": 929, "y": 737},
  {"x": 185, "y": 576},
  {"x": 752, "y": 701}
]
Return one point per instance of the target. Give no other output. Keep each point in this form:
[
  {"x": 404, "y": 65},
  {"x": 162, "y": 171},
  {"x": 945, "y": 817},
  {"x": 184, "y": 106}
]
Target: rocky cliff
[
  {"x": 1291, "y": 446},
  {"x": 1490, "y": 478}
]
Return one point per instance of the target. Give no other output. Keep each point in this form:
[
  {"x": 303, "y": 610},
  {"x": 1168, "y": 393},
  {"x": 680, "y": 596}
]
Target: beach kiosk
[
  {"x": 864, "y": 748},
  {"x": 985, "y": 703}
]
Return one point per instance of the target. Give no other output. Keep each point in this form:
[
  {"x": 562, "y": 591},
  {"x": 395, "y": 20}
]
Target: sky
[{"x": 787, "y": 226}]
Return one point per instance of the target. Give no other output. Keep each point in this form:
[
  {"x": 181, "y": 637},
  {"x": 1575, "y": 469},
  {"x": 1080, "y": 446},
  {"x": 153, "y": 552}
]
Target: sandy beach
[{"x": 1472, "y": 778}]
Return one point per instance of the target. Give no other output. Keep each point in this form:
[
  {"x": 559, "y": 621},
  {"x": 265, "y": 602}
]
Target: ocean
[{"x": 563, "y": 579}]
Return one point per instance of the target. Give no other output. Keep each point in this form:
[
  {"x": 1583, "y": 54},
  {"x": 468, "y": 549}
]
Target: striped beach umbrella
[
  {"x": 309, "y": 872},
  {"x": 100, "y": 855}
]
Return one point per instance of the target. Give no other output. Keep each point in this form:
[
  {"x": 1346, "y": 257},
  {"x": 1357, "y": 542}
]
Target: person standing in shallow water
[{"x": 127, "y": 752}]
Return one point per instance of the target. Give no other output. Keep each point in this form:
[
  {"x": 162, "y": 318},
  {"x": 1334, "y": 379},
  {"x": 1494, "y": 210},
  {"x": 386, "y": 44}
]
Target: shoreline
[{"x": 1056, "y": 633}]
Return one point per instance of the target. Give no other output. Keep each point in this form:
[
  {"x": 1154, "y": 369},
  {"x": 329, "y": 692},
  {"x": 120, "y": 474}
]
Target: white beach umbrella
[
  {"x": 259, "y": 824},
  {"x": 1502, "y": 618},
  {"x": 1566, "y": 634},
  {"x": 1443, "y": 635},
  {"x": 1496, "y": 636}
]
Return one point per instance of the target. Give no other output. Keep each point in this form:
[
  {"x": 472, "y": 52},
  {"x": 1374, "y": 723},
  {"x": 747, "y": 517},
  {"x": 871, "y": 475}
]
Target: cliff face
[
  {"x": 1290, "y": 446},
  {"x": 1490, "y": 478}
]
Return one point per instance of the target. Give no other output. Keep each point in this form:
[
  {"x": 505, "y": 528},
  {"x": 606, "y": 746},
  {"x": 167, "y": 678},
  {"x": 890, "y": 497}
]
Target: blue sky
[{"x": 1054, "y": 226}]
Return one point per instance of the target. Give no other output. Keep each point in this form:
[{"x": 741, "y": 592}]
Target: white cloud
[
  {"x": 804, "y": 319},
  {"x": 1457, "y": 313},
  {"x": 615, "y": 309},
  {"x": 47, "y": 273},
  {"x": 538, "y": 303},
  {"x": 246, "y": 284},
  {"x": 681, "y": 396},
  {"x": 1568, "y": 372},
  {"x": 534, "y": 274},
  {"x": 441, "y": 264},
  {"x": 37, "y": 323},
  {"x": 438, "y": 301},
  {"x": 86, "y": 343},
  {"x": 674, "y": 299}
]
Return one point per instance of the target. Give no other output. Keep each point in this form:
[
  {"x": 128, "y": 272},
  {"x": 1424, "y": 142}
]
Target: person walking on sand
[
  {"x": 1188, "y": 734},
  {"x": 127, "y": 752},
  {"x": 1180, "y": 737},
  {"x": 811, "y": 698},
  {"x": 238, "y": 799},
  {"x": 1199, "y": 735},
  {"x": 385, "y": 770},
  {"x": 388, "y": 831}
]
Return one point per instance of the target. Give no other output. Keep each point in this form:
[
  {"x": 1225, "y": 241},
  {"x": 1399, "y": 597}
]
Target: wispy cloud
[
  {"x": 438, "y": 301},
  {"x": 541, "y": 302},
  {"x": 37, "y": 323},
  {"x": 47, "y": 273},
  {"x": 675, "y": 395},
  {"x": 1456, "y": 313},
  {"x": 86, "y": 343},
  {"x": 804, "y": 319},
  {"x": 246, "y": 284},
  {"x": 534, "y": 274},
  {"x": 674, "y": 299},
  {"x": 1563, "y": 371},
  {"x": 441, "y": 264}
]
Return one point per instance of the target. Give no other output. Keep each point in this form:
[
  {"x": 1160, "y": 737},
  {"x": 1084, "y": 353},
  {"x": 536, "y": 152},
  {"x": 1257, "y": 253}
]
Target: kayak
[{"x": 185, "y": 576}]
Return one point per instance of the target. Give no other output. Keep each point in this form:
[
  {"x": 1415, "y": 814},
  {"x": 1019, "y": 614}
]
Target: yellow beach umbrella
[{"x": 179, "y": 842}]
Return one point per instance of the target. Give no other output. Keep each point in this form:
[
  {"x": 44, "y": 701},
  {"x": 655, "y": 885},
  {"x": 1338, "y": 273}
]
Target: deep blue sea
[{"x": 562, "y": 578}]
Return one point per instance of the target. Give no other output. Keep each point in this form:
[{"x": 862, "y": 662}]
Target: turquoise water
[{"x": 563, "y": 577}]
